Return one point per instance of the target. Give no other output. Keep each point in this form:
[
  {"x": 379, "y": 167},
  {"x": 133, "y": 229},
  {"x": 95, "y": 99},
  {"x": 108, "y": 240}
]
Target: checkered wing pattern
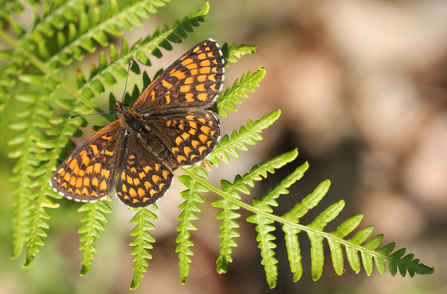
[
  {"x": 88, "y": 173},
  {"x": 194, "y": 80},
  {"x": 166, "y": 128},
  {"x": 143, "y": 177},
  {"x": 190, "y": 134}
]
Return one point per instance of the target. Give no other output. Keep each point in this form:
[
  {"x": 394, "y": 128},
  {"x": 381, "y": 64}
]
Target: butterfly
[{"x": 168, "y": 127}]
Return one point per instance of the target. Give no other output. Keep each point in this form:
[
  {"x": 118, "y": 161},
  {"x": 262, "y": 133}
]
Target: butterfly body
[{"x": 166, "y": 128}]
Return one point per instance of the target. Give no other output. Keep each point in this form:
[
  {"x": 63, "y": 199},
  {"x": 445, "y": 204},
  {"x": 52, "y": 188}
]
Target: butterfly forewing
[
  {"x": 88, "y": 173},
  {"x": 193, "y": 80}
]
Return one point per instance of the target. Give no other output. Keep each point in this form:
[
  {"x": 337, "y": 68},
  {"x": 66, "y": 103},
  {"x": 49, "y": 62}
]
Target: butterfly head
[
  {"x": 129, "y": 118},
  {"x": 120, "y": 107}
]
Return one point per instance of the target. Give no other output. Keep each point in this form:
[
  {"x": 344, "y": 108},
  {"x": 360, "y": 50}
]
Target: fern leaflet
[{"x": 188, "y": 214}]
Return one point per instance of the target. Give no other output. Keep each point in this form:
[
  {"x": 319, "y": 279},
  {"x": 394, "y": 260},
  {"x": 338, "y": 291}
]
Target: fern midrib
[
  {"x": 226, "y": 249},
  {"x": 184, "y": 260},
  {"x": 185, "y": 220},
  {"x": 90, "y": 238},
  {"x": 141, "y": 243},
  {"x": 281, "y": 220}
]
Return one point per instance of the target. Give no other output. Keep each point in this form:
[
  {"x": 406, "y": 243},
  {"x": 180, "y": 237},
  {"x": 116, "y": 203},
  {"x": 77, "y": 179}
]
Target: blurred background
[{"x": 362, "y": 86}]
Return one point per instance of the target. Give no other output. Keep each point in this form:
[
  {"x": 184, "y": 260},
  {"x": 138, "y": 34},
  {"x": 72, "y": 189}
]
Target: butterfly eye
[{"x": 136, "y": 126}]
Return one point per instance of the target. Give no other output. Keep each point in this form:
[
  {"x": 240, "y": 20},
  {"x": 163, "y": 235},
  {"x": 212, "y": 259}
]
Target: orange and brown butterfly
[{"x": 168, "y": 127}]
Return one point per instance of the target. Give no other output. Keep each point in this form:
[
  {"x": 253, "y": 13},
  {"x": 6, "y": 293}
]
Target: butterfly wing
[
  {"x": 146, "y": 171},
  {"x": 190, "y": 134},
  {"x": 88, "y": 173},
  {"x": 193, "y": 80}
]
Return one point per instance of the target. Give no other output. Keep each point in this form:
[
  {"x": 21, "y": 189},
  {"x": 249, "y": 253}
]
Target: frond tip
[
  {"x": 264, "y": 218},
  {"x": 94, "y": 220}
]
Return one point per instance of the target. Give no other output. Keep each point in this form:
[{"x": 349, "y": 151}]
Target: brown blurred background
[{"x": 362, "y": 86}]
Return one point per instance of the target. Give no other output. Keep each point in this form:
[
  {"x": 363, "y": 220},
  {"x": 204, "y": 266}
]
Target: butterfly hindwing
[
  {"x": 88, "y": 173},
  {"x": 190, "y": 134},
  {"x": 142, "y": 177}
]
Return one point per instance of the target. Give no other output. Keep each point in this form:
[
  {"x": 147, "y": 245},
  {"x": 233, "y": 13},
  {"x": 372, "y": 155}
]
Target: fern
[
  {"x": 94, "y": 220},
  {"x": 189, "y": 209},
  {"x": 76, "y": 29},
  {"x": 263, "y": 218},
  {"x": 142, "y": 241}
]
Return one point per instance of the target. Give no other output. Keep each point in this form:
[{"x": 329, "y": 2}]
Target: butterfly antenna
[
  {"x": 127, "y": 77},
  {"x": 122, "y": 99},
  {"x": 75, "y": 116}
]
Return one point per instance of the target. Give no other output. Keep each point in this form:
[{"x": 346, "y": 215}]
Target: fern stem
[{"x": 283, "y": 220}]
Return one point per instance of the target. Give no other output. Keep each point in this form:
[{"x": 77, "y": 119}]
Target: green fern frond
[
  {"x": 93, "y": 220},
  {"x": 30, "y": 173},
  {"x": 267, "y": 246},
  {"x": 188, "y": 214},
  {"x": 248, "y": 135},
  {"x": 406, "y": 263},
  {"x": 227, "y": 230},
  {"x": 234, "y": 52},
  {"x": 263, "y": 218},
  {"x": 233, "y": 95},
  {"x": 142, "y": 241},
  {"x": 336, "y": 241}
]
